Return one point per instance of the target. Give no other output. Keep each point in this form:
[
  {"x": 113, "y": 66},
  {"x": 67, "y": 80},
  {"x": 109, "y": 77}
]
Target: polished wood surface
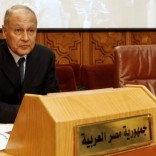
[
  {"x": 4, "y": 154},
  {"x": 45, "y": 124},
  {"x": 145, "y": 151}
]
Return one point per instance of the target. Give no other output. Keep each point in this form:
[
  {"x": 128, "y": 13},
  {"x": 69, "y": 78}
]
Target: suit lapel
[
  {"x": 31, "y": 68},
  {"x": 10, "y": 68}
]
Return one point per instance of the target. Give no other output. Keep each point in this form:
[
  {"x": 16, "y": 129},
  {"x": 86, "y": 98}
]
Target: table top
[
  {"x": 4, "y": 154},
  {"x": 143, "y": 151}
]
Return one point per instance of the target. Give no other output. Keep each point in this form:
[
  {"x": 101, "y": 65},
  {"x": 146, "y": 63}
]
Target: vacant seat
[
  {"x": 135, "y": 64},
  {"x": 97, "y": 76},
  {"x": 76, "y": 70},
  {"x": 66, "y": 78}
]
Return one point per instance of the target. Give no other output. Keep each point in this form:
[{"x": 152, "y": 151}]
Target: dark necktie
[{"x": 21, "y": 68}]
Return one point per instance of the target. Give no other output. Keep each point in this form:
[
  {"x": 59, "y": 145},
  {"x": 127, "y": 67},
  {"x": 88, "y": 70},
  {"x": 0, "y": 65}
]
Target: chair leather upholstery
[
  {"x": 66, "y": 78},
  {"x": 96, "y": 76},
  {"x": 135, "y": 64},
  {"x": 76, "y": 70}
]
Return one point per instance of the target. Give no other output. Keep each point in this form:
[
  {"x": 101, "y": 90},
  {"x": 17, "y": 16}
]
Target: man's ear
[{"x": 4, "y": 31}]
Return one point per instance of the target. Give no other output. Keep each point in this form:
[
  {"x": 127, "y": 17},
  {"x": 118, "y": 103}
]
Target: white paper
[
  {"x": 6, "y": 127},
  {"x": 3, "y": 140}
]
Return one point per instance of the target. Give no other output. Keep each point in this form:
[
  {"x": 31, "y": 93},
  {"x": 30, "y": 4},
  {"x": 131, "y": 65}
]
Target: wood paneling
[
  {"x": 90, "y": 47},
  {"x": 102, "y": 44}
]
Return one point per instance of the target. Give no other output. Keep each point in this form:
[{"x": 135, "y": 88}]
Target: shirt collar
[{"x": 15, "y": 56}]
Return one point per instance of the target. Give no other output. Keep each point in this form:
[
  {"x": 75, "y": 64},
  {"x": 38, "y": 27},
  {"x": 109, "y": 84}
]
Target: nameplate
[{"x": 113, "y": 136}]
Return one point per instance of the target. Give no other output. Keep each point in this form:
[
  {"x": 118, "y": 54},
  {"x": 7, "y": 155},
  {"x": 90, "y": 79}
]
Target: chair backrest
[
  {"x": 95, "y": 76},
  {"x": 76, "y": 70},
  {"x": 66, "y": 78},
  {"x": 135, "y": 64}
]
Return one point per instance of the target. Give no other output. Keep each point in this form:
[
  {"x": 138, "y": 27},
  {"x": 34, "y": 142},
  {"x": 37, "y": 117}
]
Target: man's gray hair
[{"x": 10, "y": 11}]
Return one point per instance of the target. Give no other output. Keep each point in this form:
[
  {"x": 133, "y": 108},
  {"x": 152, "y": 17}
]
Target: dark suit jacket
[{"x": 39, "y": 78}]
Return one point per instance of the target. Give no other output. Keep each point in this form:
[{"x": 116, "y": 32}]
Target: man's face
[{"x": 20, "y": 33}]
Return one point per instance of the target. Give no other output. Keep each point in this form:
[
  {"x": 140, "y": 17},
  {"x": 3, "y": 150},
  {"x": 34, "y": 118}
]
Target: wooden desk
[
  {"x": 145, "y": 151},
  {"x": 4, "y": 154},
  {"x": 45, "y": 125}
]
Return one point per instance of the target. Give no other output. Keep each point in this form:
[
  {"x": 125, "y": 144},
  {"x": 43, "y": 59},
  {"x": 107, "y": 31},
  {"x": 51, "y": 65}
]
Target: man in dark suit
[{"x": 19, "y": 31}]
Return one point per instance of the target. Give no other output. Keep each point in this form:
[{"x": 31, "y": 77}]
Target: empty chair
[
  {"x": 66, "y": 78},
  {"x": 135, "y": 64},
  {"x": 97, "y": 76},
  {"x": 76, "y": 70}
]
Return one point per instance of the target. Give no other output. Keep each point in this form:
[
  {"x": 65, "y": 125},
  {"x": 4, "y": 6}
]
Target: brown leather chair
[
  {"x": 135, "y": 64},
  {"x": 66, "y": 78},
  {"x": 95, "y": 76},
  {"x": 76, "y": 70}
]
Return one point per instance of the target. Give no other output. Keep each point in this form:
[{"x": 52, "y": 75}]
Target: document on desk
[
  {"x": 4, "y": 137},
  {"x": 4, "y": 134},
  {"x": 6, "y": 127}
]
